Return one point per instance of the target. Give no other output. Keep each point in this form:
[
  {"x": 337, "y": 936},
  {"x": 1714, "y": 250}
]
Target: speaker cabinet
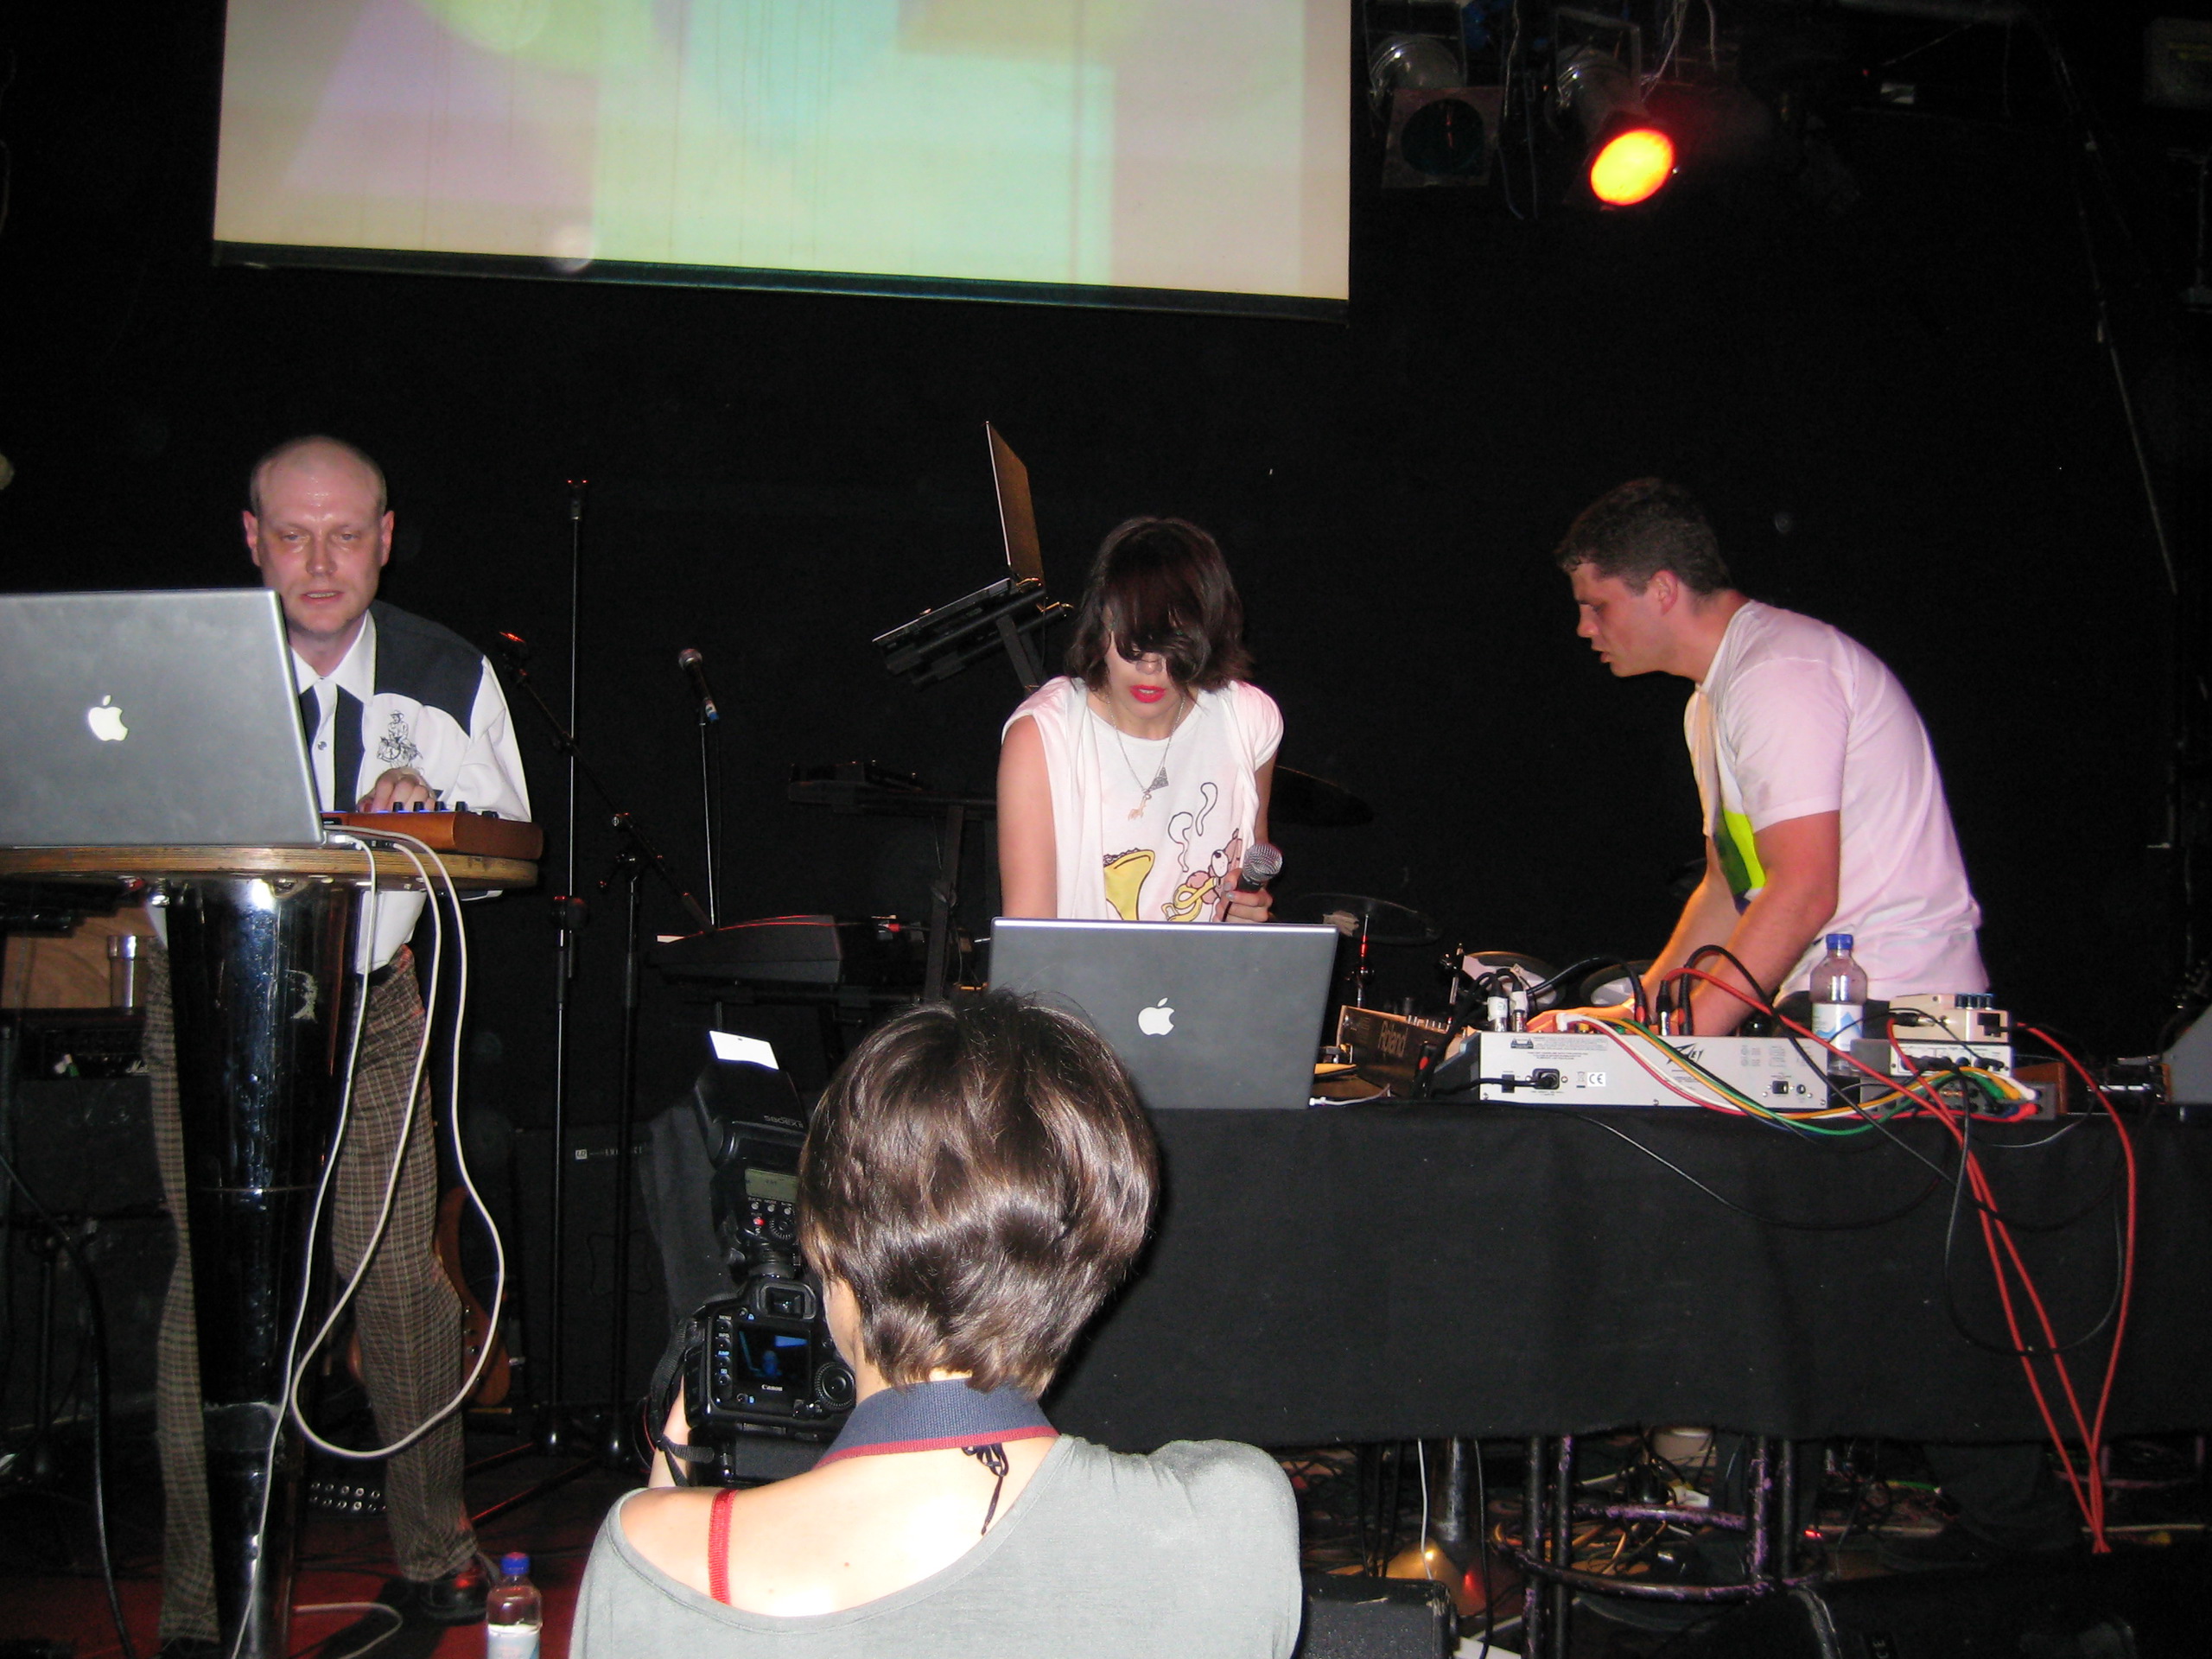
[
  {"x": 1376, "y": 1618},
  {"x": 85, "y": 1148}
]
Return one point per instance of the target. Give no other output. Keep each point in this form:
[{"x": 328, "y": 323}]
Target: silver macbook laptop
[
  {"x": 148, "y": 720},
  {"x": 1201, "y": 1013}
]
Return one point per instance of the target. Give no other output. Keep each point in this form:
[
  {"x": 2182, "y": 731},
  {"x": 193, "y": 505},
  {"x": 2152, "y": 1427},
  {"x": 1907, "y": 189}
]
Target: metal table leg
[{"x": 262, "y": 1010}]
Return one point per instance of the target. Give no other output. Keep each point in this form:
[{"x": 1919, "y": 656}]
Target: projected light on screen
[{"x": 1100, "y": 151}]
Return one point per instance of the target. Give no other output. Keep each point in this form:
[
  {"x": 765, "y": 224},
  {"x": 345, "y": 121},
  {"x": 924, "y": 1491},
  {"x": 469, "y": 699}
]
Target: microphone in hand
[{"x": 1263, "y": 863}]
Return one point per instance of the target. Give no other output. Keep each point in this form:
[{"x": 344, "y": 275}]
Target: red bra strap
[{"x": 718, "y": 1546}]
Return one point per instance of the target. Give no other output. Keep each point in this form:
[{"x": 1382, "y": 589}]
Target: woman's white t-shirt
[{"x": 1173, "y": 858}]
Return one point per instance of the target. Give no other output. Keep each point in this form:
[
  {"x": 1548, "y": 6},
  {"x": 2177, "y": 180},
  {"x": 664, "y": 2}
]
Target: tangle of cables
[{"x": 1955, "y": 1098}]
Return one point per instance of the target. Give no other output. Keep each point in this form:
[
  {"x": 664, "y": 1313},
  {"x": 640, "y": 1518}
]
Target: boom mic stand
[
  {"x": 570, "y": 915},
  {"x": 709, "y": 712}
]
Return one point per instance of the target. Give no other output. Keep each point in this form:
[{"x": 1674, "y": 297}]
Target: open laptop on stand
[
  {"x": 946, "y": 638},
  {"x": 1201, "y": 1013},
  {"x": 150, "y": 720}
]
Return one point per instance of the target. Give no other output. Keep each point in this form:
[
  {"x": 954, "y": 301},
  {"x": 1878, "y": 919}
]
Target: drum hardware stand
[
  {"x": 851, "y": 789},
  {"x": 945, "y": 903}
]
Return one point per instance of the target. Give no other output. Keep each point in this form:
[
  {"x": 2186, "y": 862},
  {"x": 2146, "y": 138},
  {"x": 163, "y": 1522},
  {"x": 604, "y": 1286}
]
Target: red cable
[
  {"x": 2128, "y": 1258},
  {"x": 2091, "y": 1502}
]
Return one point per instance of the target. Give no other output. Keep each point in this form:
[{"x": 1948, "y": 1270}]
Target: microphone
[
  {"x": 1263, "y": 863},
  {"x": 695, "y": 668},
  {"x": 511, "y": 648}
]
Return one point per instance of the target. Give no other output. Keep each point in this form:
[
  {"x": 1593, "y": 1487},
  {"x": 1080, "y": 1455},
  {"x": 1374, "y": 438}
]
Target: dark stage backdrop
[{"x": 1898, "y": 414}]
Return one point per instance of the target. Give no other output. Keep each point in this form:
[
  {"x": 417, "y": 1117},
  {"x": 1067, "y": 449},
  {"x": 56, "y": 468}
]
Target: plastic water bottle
[
  {"x": 1840, "y": 1003},
  {"x": 513, "y": 1612}
]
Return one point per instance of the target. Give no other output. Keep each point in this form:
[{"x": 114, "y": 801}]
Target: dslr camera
[{"x": 757, "y": 1367}]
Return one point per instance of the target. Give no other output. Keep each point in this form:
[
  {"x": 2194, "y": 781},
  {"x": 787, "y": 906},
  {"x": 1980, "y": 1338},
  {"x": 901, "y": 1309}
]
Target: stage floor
[{"x": 50, "y": 1589}]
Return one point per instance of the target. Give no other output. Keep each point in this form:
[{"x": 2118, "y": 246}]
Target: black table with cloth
[{"x": 1369, "y": 1273}]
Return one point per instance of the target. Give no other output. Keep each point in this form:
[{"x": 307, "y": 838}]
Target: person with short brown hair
[
  {"x": 982, "y": 1121},
  {"x": 1132, "y": 787},
  {"x": 976, "y": 1179},
  {"x": 1637, "y": 529}
]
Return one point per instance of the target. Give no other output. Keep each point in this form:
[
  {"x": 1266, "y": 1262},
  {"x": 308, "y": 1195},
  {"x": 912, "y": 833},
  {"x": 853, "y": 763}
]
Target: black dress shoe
[{"x": 457, "y": 1598}]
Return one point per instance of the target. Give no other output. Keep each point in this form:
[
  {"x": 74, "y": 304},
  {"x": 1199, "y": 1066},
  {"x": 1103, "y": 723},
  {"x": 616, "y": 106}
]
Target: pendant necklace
[{"x": 1159, "y": 777}]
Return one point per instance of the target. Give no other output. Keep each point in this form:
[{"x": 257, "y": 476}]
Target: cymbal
[
  {"x": 1387, "y": 923},
  {"x": 1301, "y": 797}
]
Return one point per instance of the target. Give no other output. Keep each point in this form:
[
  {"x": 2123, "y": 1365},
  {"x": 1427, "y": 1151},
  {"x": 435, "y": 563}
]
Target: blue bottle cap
[
  {"x": 514, "y": 1564},
  {"x": 1839, "y": 941}
]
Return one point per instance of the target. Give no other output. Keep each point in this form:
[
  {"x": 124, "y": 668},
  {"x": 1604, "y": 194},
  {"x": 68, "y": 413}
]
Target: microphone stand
[
  {"x": 570, "y": 916},
  {"x": 633, "y": 856},
  {"x": 709, "y": 810},
  {"x": 570, "y": 913}
]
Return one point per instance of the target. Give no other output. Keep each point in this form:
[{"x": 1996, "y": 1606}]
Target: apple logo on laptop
[
  {"x": 107, "y": 722},
  {"x": 1156, "y": 1021}
]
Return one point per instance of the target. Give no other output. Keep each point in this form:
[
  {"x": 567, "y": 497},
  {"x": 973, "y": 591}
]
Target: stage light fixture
[
  {"x": 1440, "y": 130},
  {"x": 1632, "y": 166},
  {"x": 1628, "y": 157},
  {"x": 1414, "y": 63}
]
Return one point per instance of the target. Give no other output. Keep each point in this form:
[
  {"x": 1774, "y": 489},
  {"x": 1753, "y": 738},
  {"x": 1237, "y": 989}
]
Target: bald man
[{"x": 397, "y": 710}]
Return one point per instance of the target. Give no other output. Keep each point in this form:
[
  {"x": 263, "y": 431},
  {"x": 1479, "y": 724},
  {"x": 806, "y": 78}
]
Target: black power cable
[
  {"x": 2033, "y": 1350},
  {"x": 1919, "y": 1198}
]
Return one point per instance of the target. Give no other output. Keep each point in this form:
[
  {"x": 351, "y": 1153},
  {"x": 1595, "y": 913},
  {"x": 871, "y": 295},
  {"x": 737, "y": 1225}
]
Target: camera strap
[
  {"x": 937, "y": 1417},
  {"x": 688, "y": 1464}
]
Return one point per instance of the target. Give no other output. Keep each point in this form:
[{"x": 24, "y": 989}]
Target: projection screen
[{"x": 1183, "y": 153}]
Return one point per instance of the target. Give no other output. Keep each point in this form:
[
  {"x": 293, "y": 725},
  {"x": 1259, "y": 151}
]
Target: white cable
[
  {"x": 409, "y": 847},
  {"x": 301, "y": 1362},
  {"x": 399, "y": 1620},
  {"x": 1676, "y": 19}
]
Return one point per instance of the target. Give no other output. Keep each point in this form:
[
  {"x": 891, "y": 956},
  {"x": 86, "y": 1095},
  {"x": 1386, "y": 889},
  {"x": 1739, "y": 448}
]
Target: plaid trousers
[{"x": 410, "y": 1319}]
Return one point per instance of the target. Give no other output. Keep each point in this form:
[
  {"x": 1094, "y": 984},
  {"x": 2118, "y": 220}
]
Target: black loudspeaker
[
  {"x": 1376, "y": 1618},
  {"x": 2144, "y": 1605},
  {"x": 85, "y": 1148}
]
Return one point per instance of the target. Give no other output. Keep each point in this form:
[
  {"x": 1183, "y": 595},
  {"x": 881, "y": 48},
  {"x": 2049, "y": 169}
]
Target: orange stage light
[{"x": 1631, "y": 167}]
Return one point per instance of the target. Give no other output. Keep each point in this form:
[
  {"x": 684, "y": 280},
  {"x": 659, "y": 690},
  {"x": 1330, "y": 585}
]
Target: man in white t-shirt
[{"x": 1824, "y": 811}]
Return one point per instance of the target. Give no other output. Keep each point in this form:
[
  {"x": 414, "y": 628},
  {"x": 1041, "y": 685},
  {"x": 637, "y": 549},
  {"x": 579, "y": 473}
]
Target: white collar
[{"x": 356, "y": 672}]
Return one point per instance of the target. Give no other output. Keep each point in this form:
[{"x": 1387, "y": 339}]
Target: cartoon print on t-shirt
[
  {"x": 1125, "y": 875},
  {"x": 1208, "y": 885}
]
